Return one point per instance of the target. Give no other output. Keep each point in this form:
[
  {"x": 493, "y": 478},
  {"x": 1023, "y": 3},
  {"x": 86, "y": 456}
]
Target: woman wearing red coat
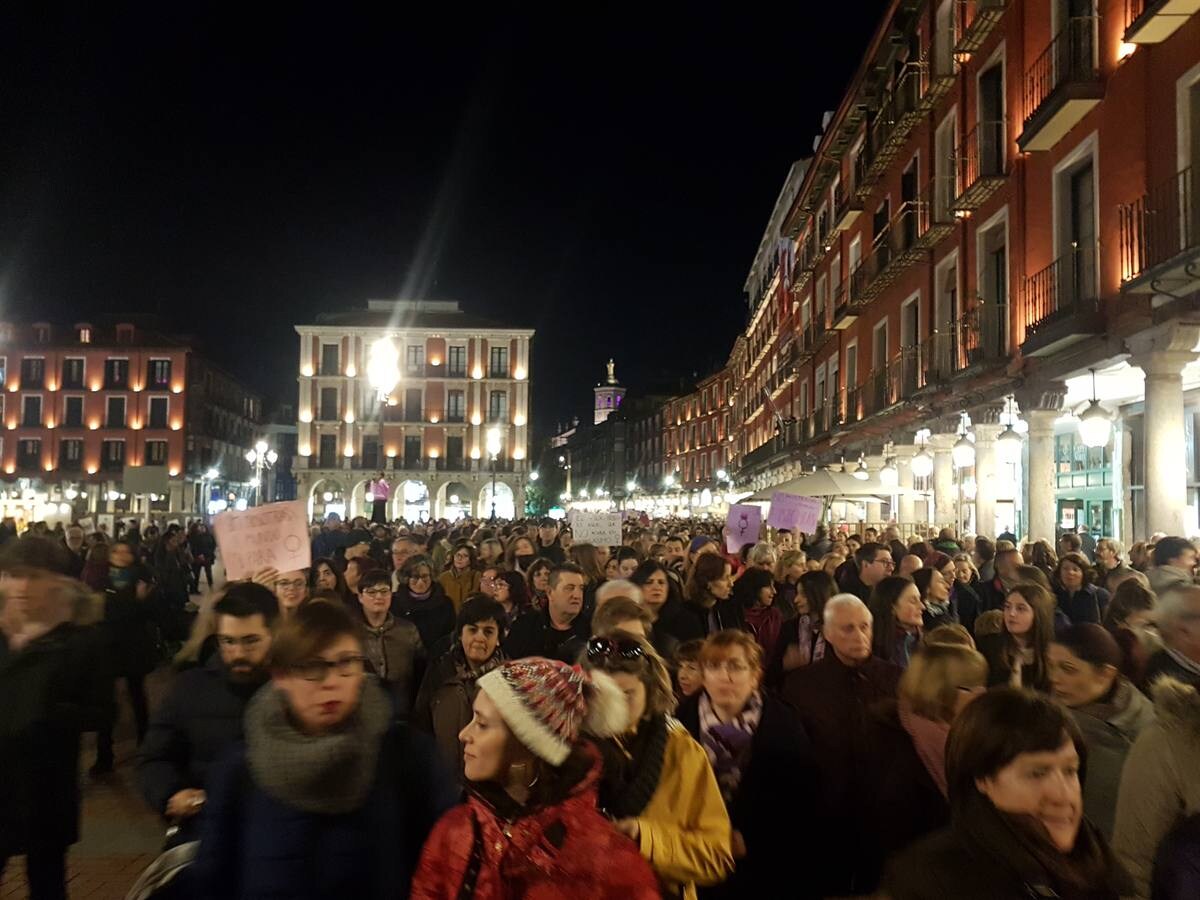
[{"x": 530, "y": 828}]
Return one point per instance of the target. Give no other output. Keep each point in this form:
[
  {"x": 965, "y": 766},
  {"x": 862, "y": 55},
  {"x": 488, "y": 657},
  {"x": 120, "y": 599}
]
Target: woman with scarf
[
  {"x": 937, "y": 598},
  {"x": 906, "y": 745},
  {"x": 801, "y": 642},
  {"x": 753, "y": 603},
  {"x": 759, "y": 753},
  {"x": 658, "y": 787},
  {"x": 326, "y": 797},
  {"x": 898, "y": 619},
  {"x": 530, "y": 826},
  {"x": 538, "y": 580},
  {"x": 448, "y": 690},
  {"x": 1014, "y": 768}
]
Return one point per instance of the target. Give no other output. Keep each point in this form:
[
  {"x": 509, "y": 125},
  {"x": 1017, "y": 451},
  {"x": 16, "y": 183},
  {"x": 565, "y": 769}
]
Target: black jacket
[
  {"x": 51, "y": 691},
  {"x": 683, "y": 620},
  {"x": 434, "y": 616},
  {"x": 780, "y": 767},
  {"x": 533, "y": 635},
  {"x": 1085, "y": 605},
  {"x": 130, "y": 632},
  {"x": 196, "y": 723}
]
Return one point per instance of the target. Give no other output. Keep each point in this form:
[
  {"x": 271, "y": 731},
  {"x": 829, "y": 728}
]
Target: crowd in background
[{"x": 474, "y": 709}]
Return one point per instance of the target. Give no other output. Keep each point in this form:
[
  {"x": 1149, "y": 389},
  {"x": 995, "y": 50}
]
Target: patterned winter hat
[{"x": 545, "y": 703}]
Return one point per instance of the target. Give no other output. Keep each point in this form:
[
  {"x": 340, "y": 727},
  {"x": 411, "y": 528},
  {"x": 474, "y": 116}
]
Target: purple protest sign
[
  {"x": 742, "y": 526},
  {"x": 793, "y": 512}
]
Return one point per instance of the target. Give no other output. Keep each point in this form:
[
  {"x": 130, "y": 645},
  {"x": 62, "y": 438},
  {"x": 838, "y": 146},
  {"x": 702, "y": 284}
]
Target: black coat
[
  {"x": 130, "y": 633},
  {"x": 534, "y": 635},
  {"x": 901, "y": 803},
  {"x": 779, "y": 776},
  {"x": 51, "y": 691},
  {"x": 434, "y": 616},
  {"x": 683, "y": 620},
  {"x": 1085, "y": 605},
  {"x": 196, "y": 723}
]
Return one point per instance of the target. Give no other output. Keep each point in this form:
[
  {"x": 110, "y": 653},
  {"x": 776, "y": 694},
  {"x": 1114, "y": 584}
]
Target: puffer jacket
[
  {"x": 563, "y": 849},
  {"x": 395, "y": 650},
  {"x": 1109, "y": 730},
  {"x": 1159, "y": 783}
]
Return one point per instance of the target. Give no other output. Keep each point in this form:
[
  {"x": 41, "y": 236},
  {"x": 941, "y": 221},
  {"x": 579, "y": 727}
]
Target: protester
[
  {"x": 530, "y": 827},
  {"x": 658, "y": 787},
  {"x": 443, "y": 706},
  {"x": 1017, "y": 655},
  {"x": 538, "y": 579},
  {"x": 752, "y": 608},
  {"x": 759, "y": 753},
  {"x": 904, "y": 787},
  {"x": 290, "y": 588},
  {"x": 422, "y": 601},
  {"x": 801, "y": 642},
  {"x": 392, "y": 645},
  {"x": 512, "y": 593},
  {"x": 710, "y": 583},
  {"x": 1178, "y": 618},
  {"x": 897, "y": 616},
  {"x": 1077, "y": 596},
  {"x": 559, "y": 631},
  {"x": 688, "y": 677},
  {"x": 201, "y": 716},
  {"x": 661, "y": 601},
  {"x": 203, "y": 547},
  {"x": 547, "y": 543},
  {"x": 520, "y": 554},
  {"x": 1013, "y": 771},
  {"x": 1174, "y": 563},
  {"x": 1109, "y": 711},
  {"x": 324, "y": 575},
  {"x": 461, "y": 578},
  {"x": 404, "y": 547},
  {"x": 872, "y": 563},
  {"x": 326, "y": 797},
  {"x": 622, "y": 614}
]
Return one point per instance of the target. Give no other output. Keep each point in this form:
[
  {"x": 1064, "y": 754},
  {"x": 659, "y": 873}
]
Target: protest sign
[
  {"x": 600, "y": 528},
  {"x": 793, "y": 512},
  {"x": 272, "y": 536},
  {"x": 742, "y": 526}
]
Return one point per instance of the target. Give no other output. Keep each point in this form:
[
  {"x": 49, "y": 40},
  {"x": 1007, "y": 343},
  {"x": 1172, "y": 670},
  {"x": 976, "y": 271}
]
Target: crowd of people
[{"x": 495, "y": 710}]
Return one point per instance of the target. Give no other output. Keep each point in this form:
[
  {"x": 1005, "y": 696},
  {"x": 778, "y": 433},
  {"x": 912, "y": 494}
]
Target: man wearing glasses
[
  {"x": 202, "y": 715},
  {"x": 874, "y": 563},
  {"x": 392, "y": 646}
]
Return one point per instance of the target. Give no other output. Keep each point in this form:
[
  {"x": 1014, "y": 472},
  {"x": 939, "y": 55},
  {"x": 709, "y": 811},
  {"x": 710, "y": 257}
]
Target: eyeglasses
[
  {"x": 318, "y": 669},
  {"x": 381, "y": 591},
  {"x": 603, "y": 648},
  {"x": 729, "y": 666},
  {"x": 246, "y": 643},
  {"x": 424, "y": 576},
  {"x": 487, "y": 580},
  {"x": 295, "y": 585}
]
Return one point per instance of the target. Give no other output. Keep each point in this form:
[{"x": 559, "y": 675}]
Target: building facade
[
  {"x": 456, "y": 380},
  {"x": 1001, "y": 203},
  {"x": 115, "y": 420}
]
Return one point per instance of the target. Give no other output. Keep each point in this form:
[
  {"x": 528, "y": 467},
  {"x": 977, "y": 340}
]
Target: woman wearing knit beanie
[{"x": 530, "y": 826}]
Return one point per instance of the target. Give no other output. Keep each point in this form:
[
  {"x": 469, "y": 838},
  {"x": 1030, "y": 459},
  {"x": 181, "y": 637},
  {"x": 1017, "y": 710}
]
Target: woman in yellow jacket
[
  {"x": 658, "y": 786},
  {"x": 461, "y": 578}
]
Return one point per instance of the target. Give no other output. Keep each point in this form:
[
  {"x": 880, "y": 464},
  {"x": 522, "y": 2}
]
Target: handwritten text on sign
[
  {"x": 599, "y": 528},
  {"x": 793, "y": 512},
  {"x": 272, "y": 536}
]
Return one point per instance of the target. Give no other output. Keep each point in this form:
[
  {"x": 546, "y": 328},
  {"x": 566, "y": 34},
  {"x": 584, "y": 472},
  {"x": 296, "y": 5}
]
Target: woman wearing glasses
[
  {"x": 423, "y": 602},
  {"x": 658, "y": 787},
  {"x": 325, "y": 797},
  {"x": 759, "y": 753}
]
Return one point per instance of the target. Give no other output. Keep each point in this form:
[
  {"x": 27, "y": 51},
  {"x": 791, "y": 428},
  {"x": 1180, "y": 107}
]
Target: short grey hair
[
  {"x": 618, "y": 587},
  {"x": 762, "y": 552},
  {"x": 838, "y": 601},
  {"x": 1172, "y": 603},
  {"x": 1118, "y": 548}
]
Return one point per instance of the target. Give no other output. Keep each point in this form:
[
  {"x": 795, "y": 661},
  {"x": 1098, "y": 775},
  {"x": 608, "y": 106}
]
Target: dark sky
[{"x": 606, "y": 182}]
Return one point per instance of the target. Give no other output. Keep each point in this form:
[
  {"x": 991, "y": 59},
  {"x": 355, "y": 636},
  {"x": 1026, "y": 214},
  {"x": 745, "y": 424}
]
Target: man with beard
[{"x": 202, "y": 715}]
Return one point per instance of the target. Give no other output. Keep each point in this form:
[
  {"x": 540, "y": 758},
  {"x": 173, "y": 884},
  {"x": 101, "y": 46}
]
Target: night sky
[{"x": 605, "y": 182}]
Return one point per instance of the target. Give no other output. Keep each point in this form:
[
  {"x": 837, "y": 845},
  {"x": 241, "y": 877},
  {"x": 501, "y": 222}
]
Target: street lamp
[
  {"x": 533, "y": 476},
  {"x": 493, "y": 449},
  {"x": 963, "y": 451},
  {"x": 261, "y": 457},
  {"x": 383, "y": 367},
  {"x": 1095, "y": 424}
]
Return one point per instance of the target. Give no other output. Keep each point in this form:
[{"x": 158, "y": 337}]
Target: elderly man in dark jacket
[
  {"x": 202, "y": 716},
  {"x": 832, "y": 697},
  {"x": 52, "y": 690}
]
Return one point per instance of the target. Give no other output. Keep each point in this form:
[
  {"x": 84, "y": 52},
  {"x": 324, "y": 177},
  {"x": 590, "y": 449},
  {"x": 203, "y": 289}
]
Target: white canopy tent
[{"x": 832, "y": 486}]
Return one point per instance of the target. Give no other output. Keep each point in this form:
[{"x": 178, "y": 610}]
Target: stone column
[
  {"x": 1041, "y": 514},
  {"x": 905, "y": 507},
  {"x": 945, "y": 494},
  {"x": 985, "y": 479}
]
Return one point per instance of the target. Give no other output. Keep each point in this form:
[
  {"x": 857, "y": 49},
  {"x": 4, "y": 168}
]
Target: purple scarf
[{"x": 728, "y": 743}]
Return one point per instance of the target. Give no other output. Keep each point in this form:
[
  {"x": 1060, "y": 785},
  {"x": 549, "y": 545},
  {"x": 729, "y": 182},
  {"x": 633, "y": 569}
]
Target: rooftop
[{"x": 422, "y": 314}]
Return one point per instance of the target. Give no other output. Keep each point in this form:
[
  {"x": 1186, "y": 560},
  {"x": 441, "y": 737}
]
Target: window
[
  {"x": 414, "y": 359},
  {"x": 159, "y": 373},
  {"x": 72, "y": 373},
  {"x": 498, "y": 365},
  {"x": 29, "y": 453},
  {"x": 41, "y": 333},
  {"x": 497, "y": 406},
  {"x": 455, "y": 406},
  {"x": 112, "y": 456},
  {"x": 328, "y": 451},
  {"x": 85, "y": 334},
  {"x": 33, "y": 372},
  {"x": 329, "y": 359},
  {"x": 156, "y": 453},
  {"x": 456, "y": 362},
  {"x": 31, "y": 411},
  {"x": 370, "y": 452},
  {"x": 454, "y": 451},
  {"x": 158, "y": 411},
  {"x": 3, "y": 370},
  {"x": 70, "y": 454},
  {"x": 116, "y": 373},
  {"x": 115, "y": 413},
  {"x": 329, "y": 405},
  {"x": 412, "y": 450},
  {"x": 73, "y": 412},
  {"x": 412, "y": 404}
]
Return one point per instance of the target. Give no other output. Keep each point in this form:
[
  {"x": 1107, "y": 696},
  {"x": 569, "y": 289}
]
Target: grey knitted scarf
[{"x": 328, "y": 773}]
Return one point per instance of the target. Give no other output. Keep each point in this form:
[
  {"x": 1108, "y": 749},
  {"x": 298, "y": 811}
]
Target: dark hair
[
  {"x": 918, "y": 548},
  {"x": 921, "y": 578},
  {"x": 1041, "y": 601},
  {"x": 1170, "y": 547},
  {"x": 624, "y": 553},
  {"x": 309, "y": 630},
  {"x": 707, "y": 569},
  {"x": 746, "y": 588},
  {"x": 647, "y": 568},
  {"x": 373, "y": 576},
  {"x": 866, "y": 553},
  {"x": 518, "y": 590},
  {"x": 33, "y": 552},
  {"x": 817, "y": 587},
  {"x": 564, "y": 569},
  {"x": 998, "y": 727},
  {"x": 314, "y": 570},
  {"x": 883, "y": 613},
  {"x": 689, "y": 651},
  {"x": 617, "y": 610},
  {"x": 1071, "y": 541},
  {"x": 985, "y": 549},
  {"x": 534, "y": 567},
  {"x": 1092, "y": 644},
  {"x": 1034, "y": 575},
  {"x": 243, "y": 599},
  {"x": 1078, "y": 560},
  {"x": 1130, "y": 596},
  {"x": 462, "y": 545},
  {"x": 480, "y": 608}
]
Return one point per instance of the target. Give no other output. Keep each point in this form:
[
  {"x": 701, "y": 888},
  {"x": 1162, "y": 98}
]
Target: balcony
[
  {"x": 451, "y": 464},
  {"x": 937, "y": 75},
  {"x": 1061, "y": 305},
  {"x": 981, "y": 341},
  {"x": 982, "y": 165},
  {"x": 454, "y": 418},
  {"x": 899, "y": 110},
  {"x": 847, "y": 208},
  {"x": 1160, "y": 239},
  {"x": 806, "y": 262},
  {"x": 1153, "y": 21},
  {"x": 824, "y": 419},
  {"x": 938, "y": 357},
  {"x": 1062, "y": 85},
  {"x": 843, "y": 315},
  {"x": 973, "y": 22}
]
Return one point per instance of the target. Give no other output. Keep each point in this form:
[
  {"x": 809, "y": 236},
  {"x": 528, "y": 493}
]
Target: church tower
[{"x": 608, "y": 395}]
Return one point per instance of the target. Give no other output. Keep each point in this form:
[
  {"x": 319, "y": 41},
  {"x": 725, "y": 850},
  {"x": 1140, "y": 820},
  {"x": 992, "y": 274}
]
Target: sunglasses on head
[{"x": 602, "y": 648}]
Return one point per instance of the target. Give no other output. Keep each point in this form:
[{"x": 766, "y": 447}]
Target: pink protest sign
[
  {"x": 794, "y": 512},
  {"x": 273, "y": 536}
]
